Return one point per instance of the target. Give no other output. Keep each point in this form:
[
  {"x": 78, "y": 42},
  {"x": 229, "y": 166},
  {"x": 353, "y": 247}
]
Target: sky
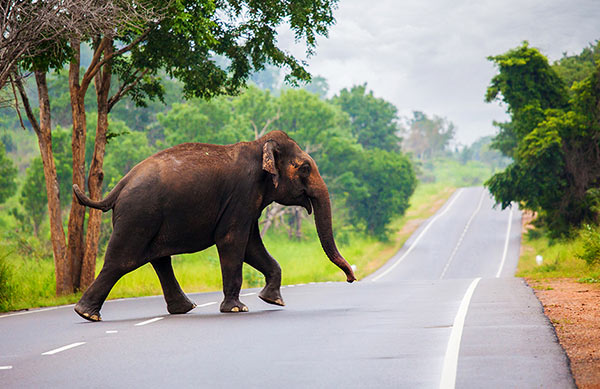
[{"x": 431, "y": 55}]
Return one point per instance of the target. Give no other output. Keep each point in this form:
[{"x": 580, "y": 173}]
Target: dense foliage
[
  {"x": 553, "y": 135},
  {"x": 8, "y": 172},
  {"x": 369, "y": 185}
]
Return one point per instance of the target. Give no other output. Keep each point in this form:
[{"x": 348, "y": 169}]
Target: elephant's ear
[{"x": 268, "y": 163}]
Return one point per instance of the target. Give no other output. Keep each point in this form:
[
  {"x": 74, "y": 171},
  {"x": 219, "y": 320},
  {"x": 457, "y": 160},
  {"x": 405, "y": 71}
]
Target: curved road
[{"x": 444, "y": 312}]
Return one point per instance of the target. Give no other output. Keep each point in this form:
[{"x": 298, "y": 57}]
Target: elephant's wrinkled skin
[{"x": 189, "y": 197}]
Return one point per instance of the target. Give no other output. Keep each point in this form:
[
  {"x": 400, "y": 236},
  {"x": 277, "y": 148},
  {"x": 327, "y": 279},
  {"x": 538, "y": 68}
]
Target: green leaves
[
  {"x": 553, "y": 136},
  {"x": 374, "y": 121},
  {"x": 380, "y": 189},
  {"x": 8, "y": 173}
]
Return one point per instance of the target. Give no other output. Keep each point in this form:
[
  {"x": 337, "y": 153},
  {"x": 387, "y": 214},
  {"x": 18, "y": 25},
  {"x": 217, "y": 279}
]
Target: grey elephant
[{"x": 186, "y": 198}]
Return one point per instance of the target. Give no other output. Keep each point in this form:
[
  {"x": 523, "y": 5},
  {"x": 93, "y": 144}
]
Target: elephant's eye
[{"x": 304, "y": 170}]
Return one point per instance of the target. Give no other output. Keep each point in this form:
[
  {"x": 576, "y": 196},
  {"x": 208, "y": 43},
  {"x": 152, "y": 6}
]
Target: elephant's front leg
[
  {"x": 231, "y": 256},
  {"x": 259, "y": 258}
]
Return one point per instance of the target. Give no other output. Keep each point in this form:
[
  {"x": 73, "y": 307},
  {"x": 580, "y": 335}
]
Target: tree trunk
[
  {"x": 64, "y": 284},
  {"x": 96, "y": 175},
  {"x": 77, "y": 215}
]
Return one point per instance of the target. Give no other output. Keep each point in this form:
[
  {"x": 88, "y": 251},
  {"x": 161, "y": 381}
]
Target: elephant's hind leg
[
  {"x": 90, "y": 303},
  {"x": 177, "y": 301}
]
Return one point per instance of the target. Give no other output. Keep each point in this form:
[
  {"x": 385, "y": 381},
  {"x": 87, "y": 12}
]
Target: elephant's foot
[
  {"x": 228, "y": 306},
  {"x": 87, "y": 313},
  {"x": 181, "y": 306},
  {"x": 271, "y": 296}
]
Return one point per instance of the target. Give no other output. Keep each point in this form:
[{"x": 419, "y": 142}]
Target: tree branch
[
  {"x": 92, "y": 70},
  {"x": 27, "y": 106},
  {"x": 124, "y": 89}
]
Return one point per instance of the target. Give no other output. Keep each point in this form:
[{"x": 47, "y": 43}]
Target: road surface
[{"x": 444, "y": 312}]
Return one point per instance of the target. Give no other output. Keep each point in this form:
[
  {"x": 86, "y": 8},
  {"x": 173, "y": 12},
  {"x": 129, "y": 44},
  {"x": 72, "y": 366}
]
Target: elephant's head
[{"x": 296, "y": 181}]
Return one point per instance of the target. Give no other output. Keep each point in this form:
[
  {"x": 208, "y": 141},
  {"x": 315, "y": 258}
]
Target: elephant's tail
[{"x": 104, "y": 205}]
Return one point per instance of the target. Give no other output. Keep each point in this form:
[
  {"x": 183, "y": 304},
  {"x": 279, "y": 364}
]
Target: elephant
[{"x": 189, "y": 197}]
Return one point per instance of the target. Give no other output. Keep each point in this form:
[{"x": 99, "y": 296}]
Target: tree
[
  {"x": 8, "y": 173},
  {"x": 428, "y": 137},
  {"x": 379, "y": 189},
  {"x": 180, "y": 37},
  {"x": 374, "y": 121},
  {"x": 553, "y": 138}
]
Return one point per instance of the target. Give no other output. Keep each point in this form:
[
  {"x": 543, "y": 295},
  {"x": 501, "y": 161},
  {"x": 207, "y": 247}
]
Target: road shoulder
[{"x": 574, "y": 310}]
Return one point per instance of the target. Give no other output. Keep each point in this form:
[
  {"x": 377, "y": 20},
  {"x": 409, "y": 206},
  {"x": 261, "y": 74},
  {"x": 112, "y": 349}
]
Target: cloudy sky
[{"x": 430, "y": 55}]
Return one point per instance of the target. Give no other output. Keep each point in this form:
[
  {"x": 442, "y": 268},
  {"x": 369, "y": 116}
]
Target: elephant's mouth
[{"x": 306, "y": 203}]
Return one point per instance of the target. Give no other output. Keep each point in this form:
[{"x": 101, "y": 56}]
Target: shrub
[{"x": 590, "y": 245}]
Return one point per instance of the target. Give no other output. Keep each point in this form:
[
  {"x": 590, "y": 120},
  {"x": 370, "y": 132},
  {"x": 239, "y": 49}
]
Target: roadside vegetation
[{"x": 553, "y": 139}]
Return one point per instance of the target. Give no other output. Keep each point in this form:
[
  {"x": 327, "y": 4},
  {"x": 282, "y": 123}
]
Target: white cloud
[{"x": 431, "y": 55}]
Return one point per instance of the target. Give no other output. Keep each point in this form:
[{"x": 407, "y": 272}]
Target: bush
[
  {"x": 590, "y": 245},
  {"x": 6, "y": 286}
]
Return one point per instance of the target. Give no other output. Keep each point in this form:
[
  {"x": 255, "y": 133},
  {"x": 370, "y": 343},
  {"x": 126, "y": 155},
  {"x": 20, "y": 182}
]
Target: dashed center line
[
  {"x": 462, "y": 236},
  {"x": 149, "y": 321},
  {"x": 63, "y": 348},
  {"x": 247, "y": 294},
  {"x": 112, "y": 331},
  {"x": 5, "y": 367},
  {"x": 206, "y": 304},
  {"x": 416, "y": 241}
]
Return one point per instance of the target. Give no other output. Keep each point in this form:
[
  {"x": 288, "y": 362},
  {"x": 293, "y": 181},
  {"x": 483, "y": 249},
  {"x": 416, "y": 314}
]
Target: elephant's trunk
[{"x": 322, "y": 208}]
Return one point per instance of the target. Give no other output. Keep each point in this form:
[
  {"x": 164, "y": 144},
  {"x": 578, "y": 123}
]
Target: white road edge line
[
  {"x": 448, "y": 380},
  {"x": 32, "y": 311},
  {"x": 149, "y": 321},
  {"x": 63, "y": 348},
  {"x": 5, "y": 367},
  {"x": 462, "y": 236},
  {"x": 206, "y": 304},
  {"x": 247, "y": 294},
  {"x": 505, "y": 243},
  {"x": 399, "y": 260}
]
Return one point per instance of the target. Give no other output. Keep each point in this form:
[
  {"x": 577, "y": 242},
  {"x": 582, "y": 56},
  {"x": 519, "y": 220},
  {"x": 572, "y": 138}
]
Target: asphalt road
[{"x": 444, "y": 312}]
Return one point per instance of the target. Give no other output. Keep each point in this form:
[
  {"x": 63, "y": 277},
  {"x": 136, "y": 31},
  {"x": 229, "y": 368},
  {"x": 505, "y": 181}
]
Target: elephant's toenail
[
  {"x": 235, "y": 309},
  {"x": 244, "y": 309}
]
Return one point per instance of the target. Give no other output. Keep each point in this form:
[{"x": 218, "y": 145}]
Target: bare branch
[
  {"x": 31, "y": 28},
  {"x": 27, "y": 106}
]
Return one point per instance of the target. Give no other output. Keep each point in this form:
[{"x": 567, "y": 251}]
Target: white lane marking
[
  {"x": 451, "y": 358},
  {"x": 63, "y": 348},
  {"x": 399, "y": 260},
  {"x": 247, "y": 294},
  {"x": 206, "y": 304},
  {"x": 28, "y": 312},
  {"x": 505, "y": 243},
  {"x": 5, "y": 367},
  {"x": 291, "y": 286},
  {"x": 112, "y": 331},
  {"x": 149, "y": 321},
  {"x": 462, "y": 236}
]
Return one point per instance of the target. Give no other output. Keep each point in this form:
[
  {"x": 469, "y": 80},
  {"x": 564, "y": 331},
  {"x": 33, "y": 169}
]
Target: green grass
[
  {"x": 29, "y": 273},
  {"x": 560, "y": 259}
]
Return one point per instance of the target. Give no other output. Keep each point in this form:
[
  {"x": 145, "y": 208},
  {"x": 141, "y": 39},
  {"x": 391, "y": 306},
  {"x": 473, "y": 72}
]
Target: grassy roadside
[
  {"x": 559, "y": 258},
  {"x": 301, "y": 261}
]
